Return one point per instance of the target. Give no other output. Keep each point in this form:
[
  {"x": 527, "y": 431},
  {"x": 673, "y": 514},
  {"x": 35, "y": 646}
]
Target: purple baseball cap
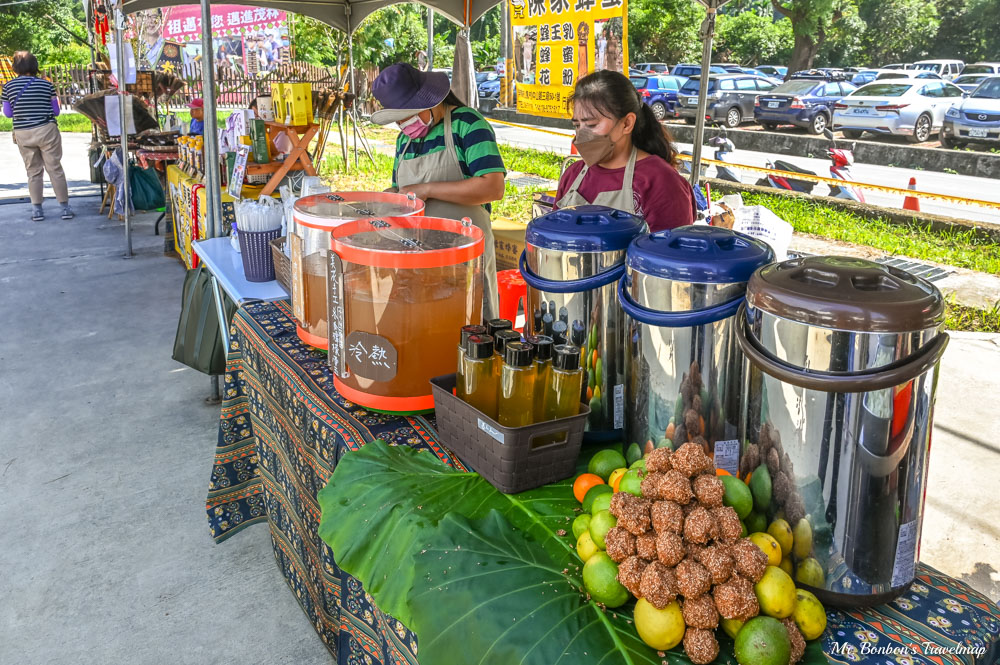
[{"x": 403, "y": 91}]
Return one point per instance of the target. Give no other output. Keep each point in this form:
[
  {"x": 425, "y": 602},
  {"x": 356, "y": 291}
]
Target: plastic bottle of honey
[
  {"x": 516, "y": 402},
  {"x": 467, "y": 331},
  {"x": 543, "y": 367},
  {"x": 479, "y": 383},
  {"x": 500, "y": 341},
  {"x": 561, "y": 397}
]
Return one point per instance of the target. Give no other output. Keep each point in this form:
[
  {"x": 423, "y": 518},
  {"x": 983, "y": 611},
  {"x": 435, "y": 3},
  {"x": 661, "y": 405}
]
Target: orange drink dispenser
[
  {"x": 309, "y": 242},
  {"x": 402, "y": 289}
]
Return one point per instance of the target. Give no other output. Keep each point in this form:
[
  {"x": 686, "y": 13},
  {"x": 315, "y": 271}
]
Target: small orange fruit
[
  {"x": 722, "y": 472},
  {"x": 583, "y": 483},
  {"x": 669, "y": 434}
]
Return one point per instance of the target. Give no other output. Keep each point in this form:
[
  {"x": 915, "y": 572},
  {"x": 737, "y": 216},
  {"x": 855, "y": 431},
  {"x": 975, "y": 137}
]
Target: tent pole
[
  {"x": 354, "y": 89},
  {"x": 707, "y": 31},
  {"x": 213, "y": 183},
  {"x": 430, "y": 39},
  {"x": 122, "y": 98}
]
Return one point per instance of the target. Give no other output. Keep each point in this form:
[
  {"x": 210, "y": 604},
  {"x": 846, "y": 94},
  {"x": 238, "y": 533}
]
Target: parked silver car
[
  {"x": 913, "y": 108},
  {"x": 976, "y": 118}
]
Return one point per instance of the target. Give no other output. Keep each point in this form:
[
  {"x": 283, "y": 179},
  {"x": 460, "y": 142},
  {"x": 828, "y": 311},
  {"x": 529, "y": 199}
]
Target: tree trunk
[{"x": 804, "y": 52}]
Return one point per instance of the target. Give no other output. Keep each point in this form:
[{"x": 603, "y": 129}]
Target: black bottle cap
[
  {"x": 579, "y": 333},
  {"x": 472, "y": 330},
  {"x": 543, "y": 308},
  {"x": 559, "y": 332},
  {"x": 547, "y": 324},
  {"x": 501, "y": 339},
  {"x": 552, "y": 308},
  {"x": 518, "y": 354},
  {"x": 567, "y": 357},
  {"x": 537, "y": 316},
  {"x": 493, "y": 325},
  {"x": 543, "y": 346},
  {"x": 479, "y": 347},
  {"x": 564, "y": 315}
]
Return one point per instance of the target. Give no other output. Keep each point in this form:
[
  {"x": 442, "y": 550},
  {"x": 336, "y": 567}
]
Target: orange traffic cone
[{"x": 912, "y": 202}]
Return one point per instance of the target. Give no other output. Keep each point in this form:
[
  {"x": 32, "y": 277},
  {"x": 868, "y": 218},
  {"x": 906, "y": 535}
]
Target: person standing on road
[
  {"x": 628, "y": 161},
  {"x": 446, "y": 155},
  {"x": 32, "y": 104}
]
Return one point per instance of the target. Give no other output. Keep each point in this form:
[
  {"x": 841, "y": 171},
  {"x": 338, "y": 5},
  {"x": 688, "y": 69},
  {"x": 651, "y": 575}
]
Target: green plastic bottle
[
  {"x": 543, "y": 366},
  {"x": 460, "y": 369},
  {"x": 479, "y": 384},
  {"x": 516, "y": 403}
]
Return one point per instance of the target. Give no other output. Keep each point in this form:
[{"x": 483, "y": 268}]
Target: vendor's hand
[{"x": 423, "y": 191}]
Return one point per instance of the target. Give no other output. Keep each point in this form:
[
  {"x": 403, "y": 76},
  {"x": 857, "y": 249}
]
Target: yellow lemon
[
  {"x": 803, "y": 536},
  {"x": 586, "y": 547},
  {"x": 615, "y": 475},
  {"x": 810, "y": 572},
  {"x": 660, "y": 629},
  {"x": 732, "y": 626},
  {"x": 782, "y": 532},
  {"x": 769, "y": 545},
  {"x": 809, "y": 615},
  {"x": 776, "y": 593},
  {"x": 786, "y": 565}
]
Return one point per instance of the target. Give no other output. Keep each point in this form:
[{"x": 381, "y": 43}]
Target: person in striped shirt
[
  {"x": 446, "y": 155},
  {"x": 32, "y": 104}
]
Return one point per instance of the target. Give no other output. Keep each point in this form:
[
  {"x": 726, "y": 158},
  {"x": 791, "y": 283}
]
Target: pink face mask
[{"x": 415, "y": 127}]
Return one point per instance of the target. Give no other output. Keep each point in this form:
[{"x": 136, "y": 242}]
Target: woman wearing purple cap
[{"x": 446, "y": 155}]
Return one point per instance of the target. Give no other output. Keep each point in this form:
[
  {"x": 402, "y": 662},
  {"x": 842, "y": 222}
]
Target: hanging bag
[
  {"x": 144, "y": 188},
  {"x": 198, "y": 343}
]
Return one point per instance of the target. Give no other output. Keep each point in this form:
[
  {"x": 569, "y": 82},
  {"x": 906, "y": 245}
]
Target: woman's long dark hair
[{"x": 611, "y": 94}]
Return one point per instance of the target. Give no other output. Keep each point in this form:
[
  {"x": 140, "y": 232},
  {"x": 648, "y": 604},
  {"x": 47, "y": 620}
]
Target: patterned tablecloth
[{"x": 283, "y": 429}]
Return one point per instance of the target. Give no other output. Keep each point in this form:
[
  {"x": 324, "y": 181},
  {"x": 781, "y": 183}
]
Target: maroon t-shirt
[{"x": 660, "y": 194}]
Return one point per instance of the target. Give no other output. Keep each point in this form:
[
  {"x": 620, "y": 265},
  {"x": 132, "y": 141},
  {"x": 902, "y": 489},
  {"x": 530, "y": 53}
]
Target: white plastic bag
[{"x": 759, "y": 222}]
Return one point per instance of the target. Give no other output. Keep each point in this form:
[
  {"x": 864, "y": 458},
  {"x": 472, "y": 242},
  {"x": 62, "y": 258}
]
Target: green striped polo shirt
[{"x": 475, "y": 142}]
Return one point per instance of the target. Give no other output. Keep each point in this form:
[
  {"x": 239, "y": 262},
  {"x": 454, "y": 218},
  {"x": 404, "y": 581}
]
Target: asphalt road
[{"x": 986, "y": 189}]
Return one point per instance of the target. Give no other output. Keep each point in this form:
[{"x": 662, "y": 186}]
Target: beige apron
[
  {"x": 620, "y": 199},
  {"x": 443, "y": 166}
]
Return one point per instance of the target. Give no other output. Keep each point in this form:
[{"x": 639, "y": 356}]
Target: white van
[
  {"x": 990, "y": 68},
  {"x": 946, "y": 69}
]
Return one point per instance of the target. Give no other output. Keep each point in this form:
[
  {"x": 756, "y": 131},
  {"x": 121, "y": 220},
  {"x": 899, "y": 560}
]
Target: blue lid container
[
  {"x": 695, "y": 256},
  {"x": 702, "y": 254},
  {"x": 585, "y": 228}
]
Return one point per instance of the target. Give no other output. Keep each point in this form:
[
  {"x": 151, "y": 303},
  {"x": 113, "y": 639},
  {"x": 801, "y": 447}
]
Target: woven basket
[
  {"x": 282, "y": 264},
  {"x": 505, "y": 456},
  {"x": 255, "y": 249}
]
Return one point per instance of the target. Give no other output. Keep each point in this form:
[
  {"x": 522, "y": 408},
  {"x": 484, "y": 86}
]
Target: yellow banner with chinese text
[{"x": 557, "y": 42}]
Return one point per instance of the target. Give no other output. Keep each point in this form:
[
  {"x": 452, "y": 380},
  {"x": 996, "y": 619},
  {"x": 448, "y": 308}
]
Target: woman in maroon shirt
[{"x": 628, "y": 160}]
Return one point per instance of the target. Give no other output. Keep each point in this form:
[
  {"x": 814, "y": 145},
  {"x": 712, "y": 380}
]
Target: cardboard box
[
  {"x": 265, "y": 108},
  {"x": 508, "y": 237},
  {"x": 259, "y": 141},
  {"x": 298, "y": 102},
  {"x": 278, "y": 100}
]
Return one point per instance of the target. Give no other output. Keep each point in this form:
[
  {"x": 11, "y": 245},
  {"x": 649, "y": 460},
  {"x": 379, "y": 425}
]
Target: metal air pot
[
  {"x": 572, "y": 261},
  {"x": 843, "y": 359},
  {"x": 684, "y": 371}
]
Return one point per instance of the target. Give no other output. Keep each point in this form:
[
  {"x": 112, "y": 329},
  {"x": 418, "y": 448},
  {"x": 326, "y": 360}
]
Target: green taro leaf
[
  {"x": 495, "y": 596},
  {"x": 473, "y": 571}
]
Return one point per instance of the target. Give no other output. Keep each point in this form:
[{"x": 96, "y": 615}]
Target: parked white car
[
  {"x": 974, "y": 119},
  {"x": 946, "y": 69},
  {"x": 989, "y": 68},
  {"x": 913, "y": 108}
]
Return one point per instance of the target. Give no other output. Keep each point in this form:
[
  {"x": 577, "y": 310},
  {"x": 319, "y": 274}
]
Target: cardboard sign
[
  {"x": 239, "y": 171},
  {"x": 335, "y": 315},
  {"x": 371, "y": 356},
  {"x": 298, "y": 278}
]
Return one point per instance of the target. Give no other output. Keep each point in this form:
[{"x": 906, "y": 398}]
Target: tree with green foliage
[
  {"x": 34, "y": 26},
  {"x": 751, "y": 39},
  {"x": 664, "y": 30},
  {"x": 812, "y": 22},
  {"x": 898, "y": 30}
]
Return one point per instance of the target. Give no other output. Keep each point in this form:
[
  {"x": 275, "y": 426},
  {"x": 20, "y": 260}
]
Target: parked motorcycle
[
  {"x": 723, "y": 147},
  {"x": 785, "y": 182},
  {"x": 841, "y": 161}
]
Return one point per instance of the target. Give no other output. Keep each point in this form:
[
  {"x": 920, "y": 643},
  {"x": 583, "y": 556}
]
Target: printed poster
[{"x": 556, "y": 42}]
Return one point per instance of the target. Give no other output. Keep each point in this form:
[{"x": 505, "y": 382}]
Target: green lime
[
  {"x": 760, "y": 487},
  {"x": 605, "y": 461},
  {"x": 601, "y": 502},
  {"x": 599, "y": 371},
  {"x": 762, "y": 641},
  {"x": 755, "y": 522},
  {"x": 593, "y": 493},
  {"x": 631, "y": 482},
  {"x": 633, "y": 454},
  {"x": 665, "y": 443},
  {"x": 602, "y": 522},
  {"x": 581, "y": 524},
  {"x": 600, "y": 578},
  {"x": 638, "y": 464},
  {"x": 737, "y": 495}
]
